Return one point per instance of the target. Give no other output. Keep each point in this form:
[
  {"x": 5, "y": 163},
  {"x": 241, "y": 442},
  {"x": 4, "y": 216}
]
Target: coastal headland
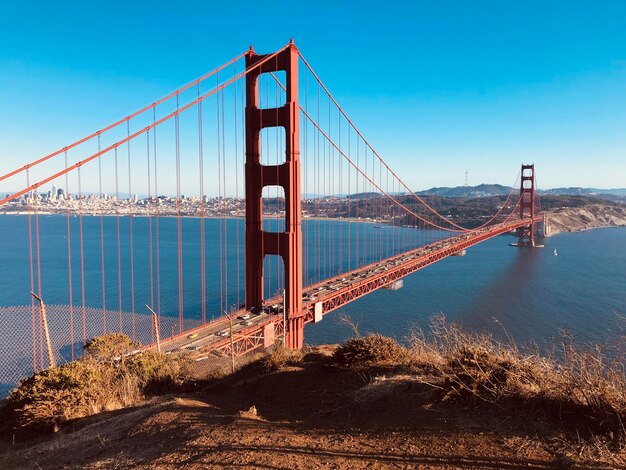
[{"x": 462, "y": 402}]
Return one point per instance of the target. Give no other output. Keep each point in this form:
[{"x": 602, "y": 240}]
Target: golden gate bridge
[{"x": 266, "y": 135}]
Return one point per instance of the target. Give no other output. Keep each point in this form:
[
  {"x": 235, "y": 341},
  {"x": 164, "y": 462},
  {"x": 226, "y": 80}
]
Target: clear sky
[{"x": 437, "y": 87}]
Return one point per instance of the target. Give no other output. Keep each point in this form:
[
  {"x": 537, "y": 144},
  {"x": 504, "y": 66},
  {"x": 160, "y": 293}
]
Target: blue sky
[{"x": 437, "y": 87}]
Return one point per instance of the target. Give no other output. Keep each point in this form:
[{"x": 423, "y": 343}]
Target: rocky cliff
[{"x": 576, "y": 219}]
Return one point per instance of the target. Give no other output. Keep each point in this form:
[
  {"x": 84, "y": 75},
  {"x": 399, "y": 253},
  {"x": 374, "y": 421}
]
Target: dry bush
[
  {"x": 472, "y": 365},
  {"x": 344, "y": 320},
  {"x": 156, "y": 372},
  {"x": 93, "y": 384},
  {"x": 282, "y": 357},
  {"x": 594, "y": 385},
  {"x": 580, "y": 386},
  {"x": 371, "y": 351},
  {"x": 70, "y": 391},
  {"x": 476, "y": 371},
  {"x": 110, "y": 347}
]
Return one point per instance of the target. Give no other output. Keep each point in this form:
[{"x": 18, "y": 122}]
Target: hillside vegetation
[
  {"x": 446, "y": 399},
  {"x": 108, "y": 377}
]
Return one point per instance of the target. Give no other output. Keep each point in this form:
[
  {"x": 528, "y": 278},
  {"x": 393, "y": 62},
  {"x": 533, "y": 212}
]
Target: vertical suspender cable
[
  {"x": 202, "y": 247},
  {"x": 156, "y": 220},
  {"x": 326, "y": 191},
  {"x": 69, "y": 261},
  {"x": 38, "y": 253},
  {"x": 340, "y": 225},
  {"x": 305, "y": 175},
  {"x": 82, "y": 257},
  {"x": 357, "y": 200},
  {"x": 219, "y": 199},
  {"x": 32, "y": 273},
  {"x": 120, "y": 305},
  {"x": 225, "y": 209},
  {"x": 179, "y": 221},
  {"x": 349, "y": 207},
  {"x": 237, "y": 221},
  {"x": 318, "y": 248},
  {"x": 387, "y": 231},
  {"x": 243, "y": 149},
  {"x": 130, "y": 241},
  {"x": 101, "y": 196},
  {"x": 150, "y": 241},
  {"x": 329, "y": 261}
]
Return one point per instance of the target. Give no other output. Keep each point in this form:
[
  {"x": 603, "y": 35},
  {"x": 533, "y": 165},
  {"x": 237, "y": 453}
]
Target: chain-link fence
[{"x": 23, "y": 347}]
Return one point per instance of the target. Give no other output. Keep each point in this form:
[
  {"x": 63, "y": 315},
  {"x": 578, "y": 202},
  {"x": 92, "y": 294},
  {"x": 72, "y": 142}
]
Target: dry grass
[
  {"x": 372, "y": 351},
  {"x": 580, "y": 388},
  {"x": 580, "y": 391},
  {"x": 101, "y": 381},
  {"x": 282, "y": 357}
]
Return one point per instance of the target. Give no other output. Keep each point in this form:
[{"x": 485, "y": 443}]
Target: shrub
[
  {"x": 282, "y": 357},
  {"x": 95, "y": 383},
  {"x": 59, "y": 394},
  {"x": 371, "y": 350},
  {"x": 157, "y": 372},
  {"x": 475, "y": 371},
  {"x": 110, "y": 347},
  {"x": 579, "y": 385}
]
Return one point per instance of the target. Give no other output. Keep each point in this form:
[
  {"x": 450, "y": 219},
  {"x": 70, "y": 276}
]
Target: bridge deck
[{"x": 331, "y": 294}]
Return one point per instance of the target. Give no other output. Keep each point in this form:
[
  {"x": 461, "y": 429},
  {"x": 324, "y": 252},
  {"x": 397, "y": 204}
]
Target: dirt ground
[{"x": 311, "y": 416}]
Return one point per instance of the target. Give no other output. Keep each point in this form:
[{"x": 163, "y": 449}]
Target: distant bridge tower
[
  {"x": 526, "y": 235},
  {"x": 258, "y": 243}
]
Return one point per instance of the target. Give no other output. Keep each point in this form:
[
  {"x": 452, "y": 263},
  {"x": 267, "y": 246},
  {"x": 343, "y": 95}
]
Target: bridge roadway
[{"x": 255, "y": 330}]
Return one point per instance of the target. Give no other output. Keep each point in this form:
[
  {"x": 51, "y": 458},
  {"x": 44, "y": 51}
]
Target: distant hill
[
  {"x": 363, "y": 195},
  {"x": 572, "y": 191},
  {"x": 612, "y": 192},
  {"x": 618, "y": 194},
  {"x": 487, "y": 190},
  {"x": 482, "y": 190}
]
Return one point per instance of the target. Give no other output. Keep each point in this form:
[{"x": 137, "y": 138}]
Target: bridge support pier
[{"x": 258, "y": 243}]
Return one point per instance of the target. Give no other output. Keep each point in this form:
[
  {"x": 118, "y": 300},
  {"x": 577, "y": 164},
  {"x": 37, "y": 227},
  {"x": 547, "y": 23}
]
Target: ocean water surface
[{"x": 525, "y": 294}]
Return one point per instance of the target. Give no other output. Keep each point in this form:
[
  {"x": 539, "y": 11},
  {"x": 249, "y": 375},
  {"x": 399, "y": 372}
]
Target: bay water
[{"x": 521, "y": 293}]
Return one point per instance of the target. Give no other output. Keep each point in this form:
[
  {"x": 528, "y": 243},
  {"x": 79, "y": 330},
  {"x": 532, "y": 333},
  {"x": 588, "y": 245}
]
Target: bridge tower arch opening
[
  {"x": 288, "y": 243},
  {"x": 526, "y": 234}
]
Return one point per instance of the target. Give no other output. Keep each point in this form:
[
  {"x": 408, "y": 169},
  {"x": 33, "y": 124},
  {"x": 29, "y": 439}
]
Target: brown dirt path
[{"x": 305, "y": 417}]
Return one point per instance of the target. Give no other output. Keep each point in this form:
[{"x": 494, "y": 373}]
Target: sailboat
[{"x": 555, "y": 253}]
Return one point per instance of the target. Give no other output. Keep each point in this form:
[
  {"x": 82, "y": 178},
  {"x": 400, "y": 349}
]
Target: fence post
[
  {"x": 156, "y": 328},
  {"x": 232, "y": 343},
  {"x": 42, "y": 309}
]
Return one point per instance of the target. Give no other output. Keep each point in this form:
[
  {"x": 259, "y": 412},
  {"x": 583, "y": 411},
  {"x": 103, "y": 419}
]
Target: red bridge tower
[
  {"x": 258, "y": 243},
  {"x": 526, "y": 235}
]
